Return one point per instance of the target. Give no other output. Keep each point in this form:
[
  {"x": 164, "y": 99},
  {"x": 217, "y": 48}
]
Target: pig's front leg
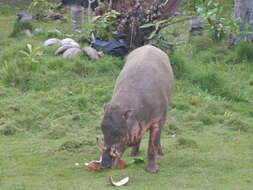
[{"x": 154, "y": 141}]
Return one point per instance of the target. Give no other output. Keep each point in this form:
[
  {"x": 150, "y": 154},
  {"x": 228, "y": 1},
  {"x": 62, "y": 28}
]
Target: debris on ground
[
  {"x": 119, "y": 183},
  {"x": 93, "y": 165},
  {"x": 116, "y": 47},
  {"x": 55, "y": 16}
]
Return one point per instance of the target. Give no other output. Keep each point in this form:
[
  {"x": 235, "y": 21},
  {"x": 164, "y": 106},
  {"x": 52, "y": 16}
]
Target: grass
[{"x": 50, "y": 114}]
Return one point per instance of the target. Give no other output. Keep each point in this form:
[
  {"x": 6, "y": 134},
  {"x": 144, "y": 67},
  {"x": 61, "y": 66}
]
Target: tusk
[
  {"x": 114, "y": 153},
  {"x": 100, "y": 146}
]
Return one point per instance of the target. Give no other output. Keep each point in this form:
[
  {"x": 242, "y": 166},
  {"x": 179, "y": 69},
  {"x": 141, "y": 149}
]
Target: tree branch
[{"x": 169, "y": 7}]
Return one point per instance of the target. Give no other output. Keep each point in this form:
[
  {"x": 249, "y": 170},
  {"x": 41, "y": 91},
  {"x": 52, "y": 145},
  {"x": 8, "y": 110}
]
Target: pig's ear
[
  {"x": 127, "y": 114},
  {"x": 106, "y": 106}
]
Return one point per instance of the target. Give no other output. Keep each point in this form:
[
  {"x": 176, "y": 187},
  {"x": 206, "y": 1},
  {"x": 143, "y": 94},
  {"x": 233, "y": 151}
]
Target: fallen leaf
[
  {"x": 119, "y": 183},
  {"x": 137, "y": 160}
]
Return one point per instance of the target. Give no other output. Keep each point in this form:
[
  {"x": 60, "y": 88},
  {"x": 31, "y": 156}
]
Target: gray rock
[
  {"x": 74, "y": 44},
  {"x": 52, "y": 41},
  {"x": 72, "y": 52},
  {"x": 24, "y": 17},
  {"x": 67, "y": 41},
  {"x": 91, "y": 52},
  {"x": 62, "y": 49},
  {"x": 71, "y": 42},
  {"x": 196, "y": 26}
]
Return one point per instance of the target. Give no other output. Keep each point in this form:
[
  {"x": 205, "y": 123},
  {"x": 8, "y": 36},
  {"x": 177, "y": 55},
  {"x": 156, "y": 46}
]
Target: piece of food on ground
[{"x": 119, "y": 183}]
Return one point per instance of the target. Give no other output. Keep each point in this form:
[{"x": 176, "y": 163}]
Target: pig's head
[{"x": 115, "y": 127}]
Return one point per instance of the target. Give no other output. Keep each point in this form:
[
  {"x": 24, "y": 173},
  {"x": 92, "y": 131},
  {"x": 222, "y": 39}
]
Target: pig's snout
[
  {"x": 106, "y": 165},
  {"x": 106, "y": 160}
]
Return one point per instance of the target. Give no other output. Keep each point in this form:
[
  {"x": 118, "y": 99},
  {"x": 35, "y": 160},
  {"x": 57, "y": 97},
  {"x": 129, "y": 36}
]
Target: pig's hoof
[{"x": 152, "y": 170}]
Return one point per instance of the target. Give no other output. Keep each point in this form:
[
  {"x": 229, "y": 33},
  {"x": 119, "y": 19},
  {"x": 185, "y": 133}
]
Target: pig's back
[{"x": 146, "y": 81}]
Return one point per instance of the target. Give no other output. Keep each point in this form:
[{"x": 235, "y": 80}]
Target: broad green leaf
[
  {"x": 147, "y": 25},
  {"x": 152, "y": 35}
]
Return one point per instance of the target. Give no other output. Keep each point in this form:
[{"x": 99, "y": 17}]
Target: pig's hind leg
[
  {"x": 160, "y": 151},
  {"x": 135, "y": 149},
  {"x": 162, "y": 122},
  {"x": 154, "y": 142}
]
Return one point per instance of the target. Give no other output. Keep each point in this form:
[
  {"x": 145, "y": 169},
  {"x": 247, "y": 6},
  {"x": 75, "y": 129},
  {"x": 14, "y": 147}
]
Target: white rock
[
  {"x": 67, "y": 41},
  {"x": 71, "y": 52},
  {"x": 74, "y": 44},
  {"x": 91, "y": 52},
  {"x": 51, "y": 41}
]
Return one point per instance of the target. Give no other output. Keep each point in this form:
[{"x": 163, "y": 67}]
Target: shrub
[
  {"x": 179, "y": 65},
  {"x": 12, "y": 73},
  {"x": 19, "y": 27},
  {"x": 244, "y": 51},
  {"x": 214, "y": 84},
  {"x": 40, "y": 8}
]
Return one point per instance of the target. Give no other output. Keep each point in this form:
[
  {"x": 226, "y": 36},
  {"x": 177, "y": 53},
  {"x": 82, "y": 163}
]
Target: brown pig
[{"x": 139, "y": 103}]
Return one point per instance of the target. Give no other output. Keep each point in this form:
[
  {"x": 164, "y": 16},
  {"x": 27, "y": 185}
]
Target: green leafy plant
[
  {"x": 30, "y": 55},
  {"x": 11, "y": 73},
  {"x": 41, "y": 7},
  {"x": 212, "y": 13},
  {"x": 19, "y": 27},
  {"x": 244, "y": 51},
  {"x": 102, "y": 26},
  {"x": 156, "y": 26}
]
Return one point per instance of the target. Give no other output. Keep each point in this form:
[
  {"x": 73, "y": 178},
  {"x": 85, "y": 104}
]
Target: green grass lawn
[{"x": 50, "y": 114}]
